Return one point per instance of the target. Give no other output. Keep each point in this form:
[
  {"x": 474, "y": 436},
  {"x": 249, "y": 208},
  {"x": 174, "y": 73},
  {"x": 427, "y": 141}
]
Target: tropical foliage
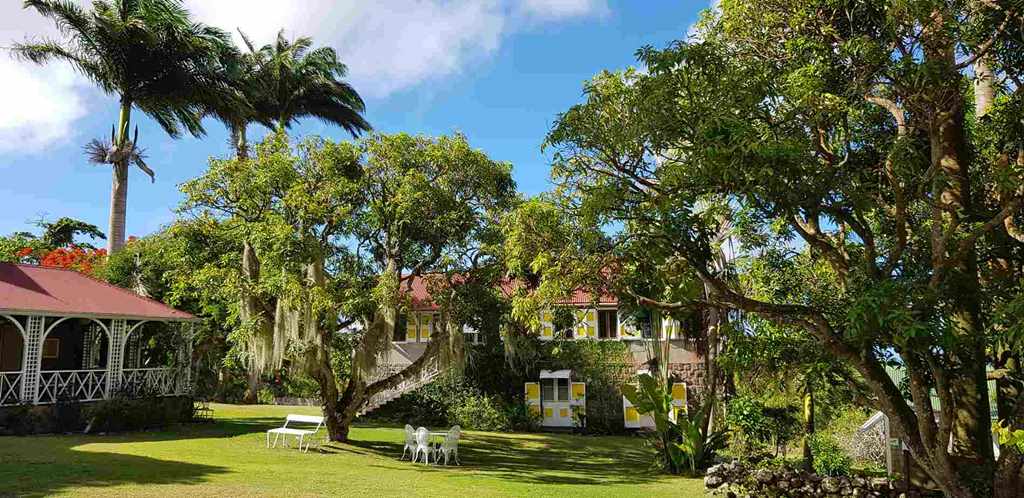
[{"x": 682, "y": 440}]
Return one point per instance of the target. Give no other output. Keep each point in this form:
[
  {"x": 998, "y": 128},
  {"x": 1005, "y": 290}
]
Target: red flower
[{"x": 24, "y": 251}]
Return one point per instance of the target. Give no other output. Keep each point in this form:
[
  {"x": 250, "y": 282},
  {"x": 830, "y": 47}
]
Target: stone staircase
[{"x": 426, "y": 376}]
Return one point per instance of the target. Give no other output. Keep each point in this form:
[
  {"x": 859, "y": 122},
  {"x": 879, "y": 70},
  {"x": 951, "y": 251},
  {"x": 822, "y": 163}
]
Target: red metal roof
[
  {"x": 29, "y": 289},
  {"x": 423, "y": 301}
]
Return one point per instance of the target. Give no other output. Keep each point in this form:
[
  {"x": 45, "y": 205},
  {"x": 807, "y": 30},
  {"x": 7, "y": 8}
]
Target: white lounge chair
[
  {"x": 450, "y": 446},
  {"x": 303, "y": 436},
  {"x": 410, "y": 442},
  {"x": 422, "y": 445}
]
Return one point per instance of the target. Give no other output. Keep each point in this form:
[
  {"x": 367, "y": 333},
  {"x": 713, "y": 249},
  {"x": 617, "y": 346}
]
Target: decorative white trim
[
  {"x": 77, "y": 385},
  {"x": 115, "y": 354},
  {"x": 31, "y": 359},
  {"x": 10, "y": 387},
  {"x": 17, "y": 324}
]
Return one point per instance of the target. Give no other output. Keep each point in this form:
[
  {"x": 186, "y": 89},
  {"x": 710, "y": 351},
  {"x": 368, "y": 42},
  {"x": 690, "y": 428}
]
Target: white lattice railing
[
  {"x": 428, "y": 374},
  {"x": 10, "y": 388},
  {"x": 76, "y": 385},
  {"x": 159, "y": 381}
]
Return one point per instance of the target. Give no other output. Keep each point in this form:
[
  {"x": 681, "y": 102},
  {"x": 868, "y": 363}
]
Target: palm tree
[
  {"x": 286, "y": 81},
  {"x": 151, "y": 56}
]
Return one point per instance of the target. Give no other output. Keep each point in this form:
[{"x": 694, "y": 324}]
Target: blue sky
[{"x": 498, "y": 71}]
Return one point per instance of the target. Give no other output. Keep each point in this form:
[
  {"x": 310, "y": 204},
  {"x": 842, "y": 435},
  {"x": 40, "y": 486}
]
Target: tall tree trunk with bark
[
  {"x": 119, "y": 186},
  {"x": 808, "y": 416}
]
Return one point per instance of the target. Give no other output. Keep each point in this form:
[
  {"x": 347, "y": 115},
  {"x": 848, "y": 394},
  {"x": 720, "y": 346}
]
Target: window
[
  {"x": 547, "y": 389},
  {"x": 471, "y": 335},
  {"x": 51, "y": 348},
  {"x": 607, "y": 324},
  {"x": 400, "y": 325},
  {"x": 563, "y": 389},
  {"x": 643, "y": 322},
  {"x": 554, "y": 390}
]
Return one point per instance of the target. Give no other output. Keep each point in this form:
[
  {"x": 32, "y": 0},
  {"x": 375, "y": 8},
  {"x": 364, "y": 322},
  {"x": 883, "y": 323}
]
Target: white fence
[
  {"x": 71, "y": 385},
  {"x": 158, "y": 381},
  {"x": 92, "y": 385},
  {"x": 10, "y": 387}
]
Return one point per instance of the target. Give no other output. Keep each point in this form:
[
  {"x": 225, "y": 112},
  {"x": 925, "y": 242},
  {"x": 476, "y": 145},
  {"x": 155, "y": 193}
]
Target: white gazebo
[{"x": 65, "y": 336}]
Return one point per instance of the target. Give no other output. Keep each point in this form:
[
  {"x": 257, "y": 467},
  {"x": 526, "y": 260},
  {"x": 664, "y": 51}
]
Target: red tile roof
[
  {"x": 423, "y": 301},
  {"x": 28, "y": 289}
]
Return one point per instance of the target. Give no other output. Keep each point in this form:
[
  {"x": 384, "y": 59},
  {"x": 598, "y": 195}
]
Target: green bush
[
  {"x": 521, "y": 418},
  {"x": 758, "y": 428},
  {"x": 22, "y": 420},
  {"x": 265, "y": 396},
  {"x": 123, "y": 414},
  {"x": 480, "y": 412},
  {"x": 829, "y": 457}
]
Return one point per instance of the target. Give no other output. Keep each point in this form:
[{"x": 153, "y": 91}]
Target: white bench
[{"x": 303, "y": 436}]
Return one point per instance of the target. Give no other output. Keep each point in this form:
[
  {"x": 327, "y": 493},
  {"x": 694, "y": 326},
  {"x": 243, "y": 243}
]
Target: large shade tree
[
  {"x": 281, "y": 83},
  {"x": 847, "y": 129},
  {"x": 148, "y": 54},
  {"x": 342, "y": 229}
]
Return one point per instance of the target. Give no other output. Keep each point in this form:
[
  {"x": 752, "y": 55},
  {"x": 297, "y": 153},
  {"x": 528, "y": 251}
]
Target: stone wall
[{"x": 734, "y": 479}]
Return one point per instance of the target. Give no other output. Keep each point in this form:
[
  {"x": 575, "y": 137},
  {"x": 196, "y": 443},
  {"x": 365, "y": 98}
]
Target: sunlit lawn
[{"x": 228, "y": 458}]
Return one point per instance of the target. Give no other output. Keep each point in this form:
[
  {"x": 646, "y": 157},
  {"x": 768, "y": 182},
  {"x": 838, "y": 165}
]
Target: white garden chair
[
  {"x": 422, "y": 445},
  {"x": 450, "y": 446},
  {"x": 410, "y": 442},
  {"x": 303, "y": 436}
]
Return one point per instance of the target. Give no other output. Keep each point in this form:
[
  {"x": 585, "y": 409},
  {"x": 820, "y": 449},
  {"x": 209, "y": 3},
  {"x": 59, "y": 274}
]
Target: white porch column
[
  {"x": 32, "y": 358},
  {"x": 115, "y": 355}
]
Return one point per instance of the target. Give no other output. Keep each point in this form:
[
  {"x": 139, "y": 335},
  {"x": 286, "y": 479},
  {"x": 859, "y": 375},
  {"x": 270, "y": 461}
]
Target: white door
[{"x": 554, "y": 398}]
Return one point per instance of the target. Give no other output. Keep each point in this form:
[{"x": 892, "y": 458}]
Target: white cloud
[
  {"x": 389, "y": 47},
  {"x": 40, "y": 105},
  {"x": 561, "y": 9}
]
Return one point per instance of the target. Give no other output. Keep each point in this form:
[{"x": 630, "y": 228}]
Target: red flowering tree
[{"x": 74, "y": 258}]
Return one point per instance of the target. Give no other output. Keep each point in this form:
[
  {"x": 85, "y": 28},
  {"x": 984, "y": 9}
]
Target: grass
[{"x": 228, "y": 458}]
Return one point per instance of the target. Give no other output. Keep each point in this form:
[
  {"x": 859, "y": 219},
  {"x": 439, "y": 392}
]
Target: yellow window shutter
[
  {"x": 548, "y": 412},
  {"x": 547, "y": 331},
  {"x": 410, "y": 328},
  {"x": 425, "y": 327},
  {"x": 579, "y": 391},
  {"x": 631, "y": 414},
  {"x": 563, "y": 412},
  {"x": 533, "y": 392},
  {"x": 679, "y": 395}
]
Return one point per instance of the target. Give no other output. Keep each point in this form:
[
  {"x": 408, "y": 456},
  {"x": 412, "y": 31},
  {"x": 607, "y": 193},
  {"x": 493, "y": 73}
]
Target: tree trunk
[
  {"x": 240, "y": 141},
  {"x": 119, "y": 186},
  {"x": 959, "y": 285},
  {"x": 808, "y": 462}
]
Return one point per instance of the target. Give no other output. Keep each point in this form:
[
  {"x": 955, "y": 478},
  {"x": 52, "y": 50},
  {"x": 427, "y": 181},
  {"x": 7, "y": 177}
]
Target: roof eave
[{"x": 114, "y": 316}]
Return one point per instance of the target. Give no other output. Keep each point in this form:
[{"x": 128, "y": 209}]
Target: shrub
[
  {"x": 761, "y": 427},
  {"x": 829, "y": 457},
  {"x": 265, "y": 396},
  {"x": 521, "y": 418},
  {"x": 480, "y": 412},
  {"x": 22, "y": 420},
  {"x": 122, "y": 414}
]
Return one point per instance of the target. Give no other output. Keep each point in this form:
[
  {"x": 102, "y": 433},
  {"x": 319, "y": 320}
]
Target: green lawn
[{"x": 228, "y": 458}]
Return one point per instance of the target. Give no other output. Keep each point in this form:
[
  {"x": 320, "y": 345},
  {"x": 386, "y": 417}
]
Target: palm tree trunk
[
  {"x": 240, "y": 141},
  {"x": 119, "y": 186}
]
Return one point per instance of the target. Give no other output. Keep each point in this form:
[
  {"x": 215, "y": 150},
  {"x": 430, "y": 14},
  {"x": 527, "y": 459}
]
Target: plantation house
[
  {"x": 65, "y": 336},
  {"x": 555, "y": 395}
]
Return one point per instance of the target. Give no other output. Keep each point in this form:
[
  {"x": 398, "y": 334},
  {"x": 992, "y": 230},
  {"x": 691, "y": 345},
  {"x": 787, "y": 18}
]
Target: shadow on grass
[
  {"x": 43, "y": 466},
  {"x": 531, "y": 458}
]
